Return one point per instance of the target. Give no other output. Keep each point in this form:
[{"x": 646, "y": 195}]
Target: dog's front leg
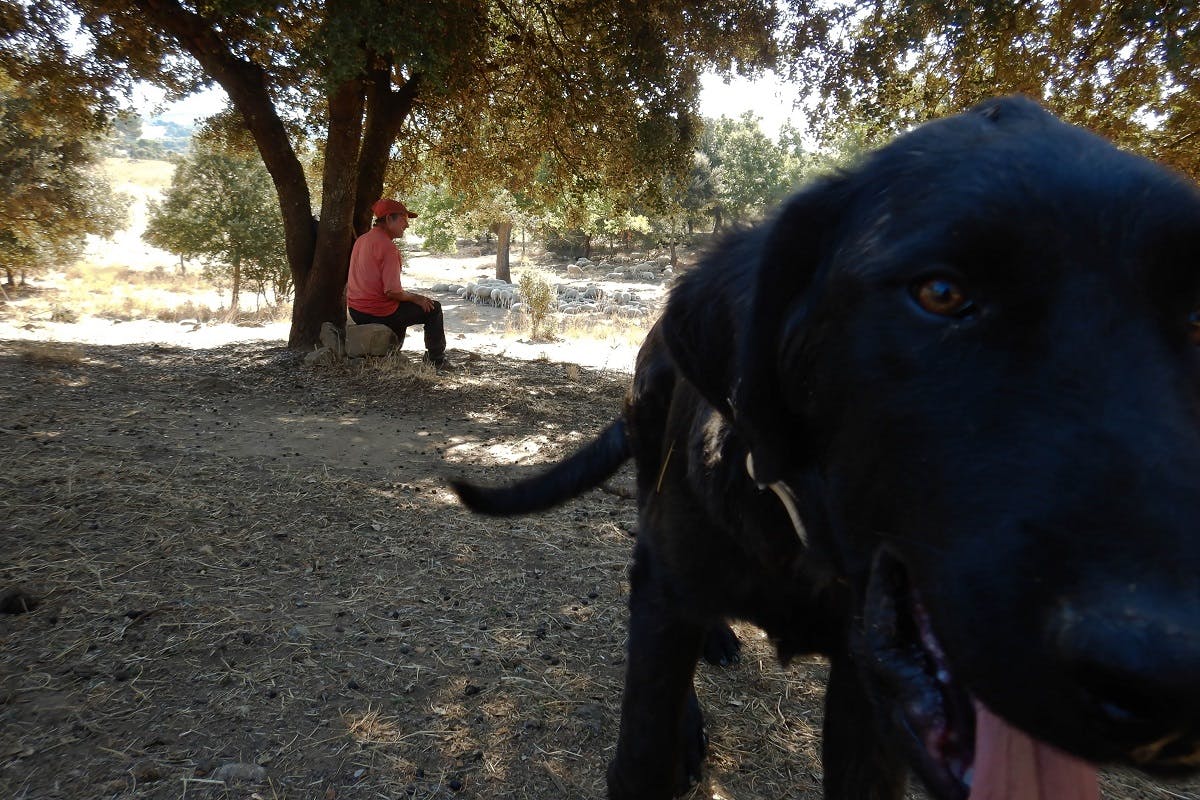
[
  {"x": 661, "y": 744},
  {"x": 858, "y": 753}
]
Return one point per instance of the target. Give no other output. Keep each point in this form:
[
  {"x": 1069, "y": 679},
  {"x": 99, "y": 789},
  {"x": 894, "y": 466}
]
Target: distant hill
[{"x": 156, "y": 138}]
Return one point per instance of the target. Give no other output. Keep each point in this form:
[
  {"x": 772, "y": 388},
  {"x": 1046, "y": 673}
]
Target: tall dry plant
[{"x": 539, "y": 294}]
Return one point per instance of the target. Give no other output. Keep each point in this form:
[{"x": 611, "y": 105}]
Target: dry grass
[
  {"x": 124, "y": 279},
  {"x": 149, "y": 174},
  {"x": 224, "y": 590},
  {"x": 48, "y": 354},
  {"x": 591, "y": 327},
  {"x": 124, "y": 294},
  {"x": 247, "y": 567}
]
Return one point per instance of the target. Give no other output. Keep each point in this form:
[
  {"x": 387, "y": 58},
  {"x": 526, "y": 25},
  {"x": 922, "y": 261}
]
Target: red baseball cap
[{"x": 385, "y": 207}]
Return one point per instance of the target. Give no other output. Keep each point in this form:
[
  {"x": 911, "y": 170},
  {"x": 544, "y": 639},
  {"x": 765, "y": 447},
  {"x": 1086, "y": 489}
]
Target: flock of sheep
[{"x": 575, "y": 298}]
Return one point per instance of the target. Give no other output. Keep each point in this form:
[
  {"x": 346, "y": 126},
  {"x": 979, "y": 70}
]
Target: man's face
[{"x": 397, "y": 224}]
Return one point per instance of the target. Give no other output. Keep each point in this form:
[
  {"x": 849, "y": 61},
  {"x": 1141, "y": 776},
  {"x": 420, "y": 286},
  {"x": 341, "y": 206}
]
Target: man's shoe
[{"x": 440, "y": 364}]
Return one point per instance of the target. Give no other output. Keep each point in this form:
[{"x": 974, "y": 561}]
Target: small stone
[
  {"x": 146, "y": 772},
  {"x": 17, "y": 601},
  {"x": 333, "y": 339},
  {"x": 321, "y": 357},
  {"x": 228, "y": 773}
]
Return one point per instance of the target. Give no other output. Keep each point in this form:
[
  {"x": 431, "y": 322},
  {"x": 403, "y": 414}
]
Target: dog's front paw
[
  {"x": 695, "y": 747},
  {"x": 721, "y": 646}
]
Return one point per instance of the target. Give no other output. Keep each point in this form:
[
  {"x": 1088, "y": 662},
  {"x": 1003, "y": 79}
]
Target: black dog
[{"x": 939, "y": 420}]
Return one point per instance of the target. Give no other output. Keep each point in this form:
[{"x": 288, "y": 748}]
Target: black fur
[
  {"x": 1004, "y": 491},
  {"x": 593, "y": 464}
]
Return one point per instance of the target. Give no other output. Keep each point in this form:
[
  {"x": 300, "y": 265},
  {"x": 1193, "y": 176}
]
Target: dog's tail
[{"x": 587, "y": 468}]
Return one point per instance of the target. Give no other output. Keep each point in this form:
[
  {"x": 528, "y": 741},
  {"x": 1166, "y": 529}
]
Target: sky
[{"x": 768, "y": 97}]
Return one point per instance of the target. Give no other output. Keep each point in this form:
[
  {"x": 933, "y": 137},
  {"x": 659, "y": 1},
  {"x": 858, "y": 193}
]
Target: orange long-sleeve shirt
[{"x": 374, "y": 271}]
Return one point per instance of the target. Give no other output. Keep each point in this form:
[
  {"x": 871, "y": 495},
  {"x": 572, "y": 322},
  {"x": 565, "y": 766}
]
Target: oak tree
[
  {"x": 51, "y": 192},
  {"x": 220, "y": 208},
  {"x": 1126, "y": 69},
  {"x": 511, "y": 88}
]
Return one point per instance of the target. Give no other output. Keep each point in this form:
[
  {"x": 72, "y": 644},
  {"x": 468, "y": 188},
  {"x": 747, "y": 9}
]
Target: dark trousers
[{"x": 411, "y": 314}]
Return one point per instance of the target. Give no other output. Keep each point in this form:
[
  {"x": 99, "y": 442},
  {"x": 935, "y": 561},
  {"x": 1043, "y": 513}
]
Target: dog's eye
[{"x": 943, "y": 297}]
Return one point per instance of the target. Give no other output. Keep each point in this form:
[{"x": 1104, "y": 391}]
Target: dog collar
[{"x": 785, "y": 495}]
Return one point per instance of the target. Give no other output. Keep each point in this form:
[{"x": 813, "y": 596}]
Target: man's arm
[
  {"x": 391, "y": 281},
  {"x": 402, "y": 296}
]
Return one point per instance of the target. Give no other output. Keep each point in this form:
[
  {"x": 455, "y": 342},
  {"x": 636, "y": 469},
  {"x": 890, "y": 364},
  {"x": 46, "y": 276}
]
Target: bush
[{"x": 538, "y": 293}]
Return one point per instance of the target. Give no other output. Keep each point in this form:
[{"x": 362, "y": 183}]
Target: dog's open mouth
[{"x": 961, "y": 749}]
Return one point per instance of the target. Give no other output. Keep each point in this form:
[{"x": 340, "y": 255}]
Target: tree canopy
[
  {"x": 748, "y": 172},
  {"x": 580, "y": 101},
  {"x": 1128, "y": 70},
  {"x": 580, "y": 92},
  {"x": 50, "y": 193}
]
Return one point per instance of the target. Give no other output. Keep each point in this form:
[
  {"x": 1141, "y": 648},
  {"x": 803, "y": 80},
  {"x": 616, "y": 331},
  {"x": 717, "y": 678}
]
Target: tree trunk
[
  {"x": 236, "y": 289},
  {"x": 386, "y": 111},
  {"x": 323, "y": 298},
  {"x": 717, "y": 220},
  {"x": 587, "y": 245},
  {"x": 246, "y": 84},
  {"x": 12, "y": 279},
  {"x": 503, "y": 244},
  {"x": 318, "y": 252}
]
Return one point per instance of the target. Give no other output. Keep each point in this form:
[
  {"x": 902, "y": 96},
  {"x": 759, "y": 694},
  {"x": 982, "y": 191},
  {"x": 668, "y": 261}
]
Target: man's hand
[
  {"x": 403, "y": 296},
  {"x": 424, "y": 302}
]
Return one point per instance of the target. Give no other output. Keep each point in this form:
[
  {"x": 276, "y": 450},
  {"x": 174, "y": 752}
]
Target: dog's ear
[
  {"x": 707, "y": 307},
  {"x": 725, "y": 321},
  {"x": 798, "y": 242}
]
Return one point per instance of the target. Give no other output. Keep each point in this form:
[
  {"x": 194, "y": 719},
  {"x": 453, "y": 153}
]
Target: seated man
[{"x": 373, "y": 289}]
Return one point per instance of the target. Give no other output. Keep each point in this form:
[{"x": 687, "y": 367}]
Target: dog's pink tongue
[{"x": 1012, "y": 766}]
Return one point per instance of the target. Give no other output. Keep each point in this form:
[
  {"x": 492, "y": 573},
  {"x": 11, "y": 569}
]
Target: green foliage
[
  {"x": 538, "y": 293},
  {"x": 440, "y": 220},
  {"x": 50, "y": 192},
  {"x": 481, "y": 95},
  {"x": 1128, "y": 70},
  {"x": 574, "y": 222},
  {"x": 221, "y": 208},
  {"x": 749, "y": 172}
]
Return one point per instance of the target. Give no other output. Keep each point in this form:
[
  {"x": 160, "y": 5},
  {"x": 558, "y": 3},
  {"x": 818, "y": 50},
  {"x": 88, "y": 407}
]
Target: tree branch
[
  {"x": 387, "y": 109},
  {"x": 246, "y": 84}
]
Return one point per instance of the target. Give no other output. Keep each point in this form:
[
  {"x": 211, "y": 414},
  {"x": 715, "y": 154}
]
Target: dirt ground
[
  {"x": 253, "y": 571},
  {"x": 252, "y": 582}
]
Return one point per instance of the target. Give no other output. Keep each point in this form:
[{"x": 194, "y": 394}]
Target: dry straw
[{"x": 229, "y": 590}]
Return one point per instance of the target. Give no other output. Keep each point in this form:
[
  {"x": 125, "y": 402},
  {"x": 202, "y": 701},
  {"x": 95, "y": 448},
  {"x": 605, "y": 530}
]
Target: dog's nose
[{"x": 1136, "y": 661}]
